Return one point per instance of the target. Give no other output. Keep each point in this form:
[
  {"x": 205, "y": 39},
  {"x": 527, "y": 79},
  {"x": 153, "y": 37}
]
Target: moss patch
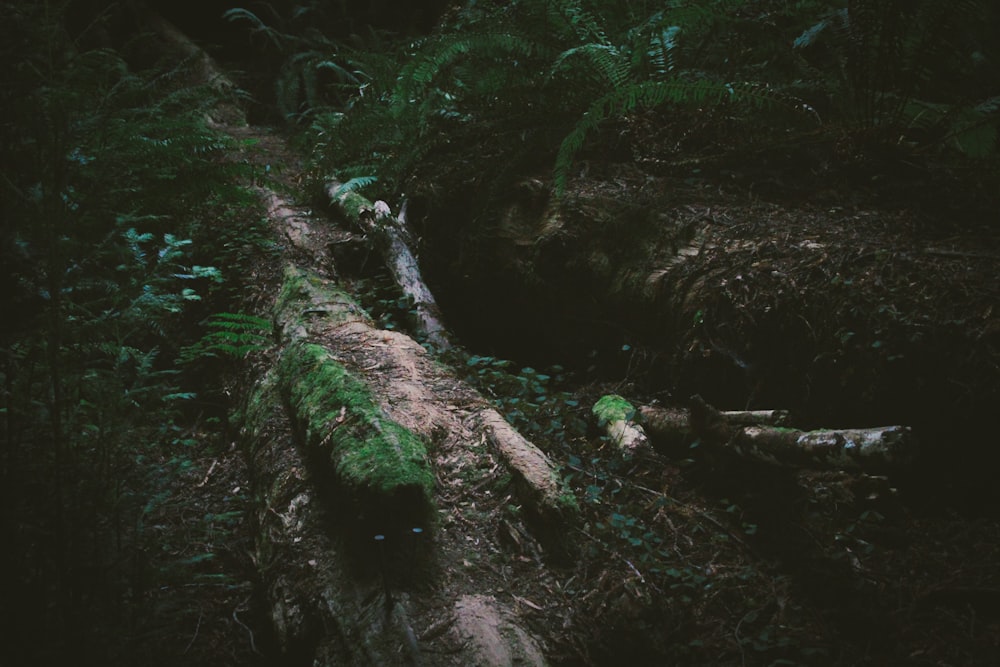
[
  {"x": 612, "y": 408},
  {"x": 306, "y": 298},
  {"x": 381, "y": 464}
]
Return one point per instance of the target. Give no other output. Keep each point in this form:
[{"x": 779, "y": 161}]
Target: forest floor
[{"x": 676, "y": 558}]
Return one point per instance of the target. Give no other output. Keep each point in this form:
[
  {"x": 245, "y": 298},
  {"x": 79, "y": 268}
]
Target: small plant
[{"x": 232, "y": 336}]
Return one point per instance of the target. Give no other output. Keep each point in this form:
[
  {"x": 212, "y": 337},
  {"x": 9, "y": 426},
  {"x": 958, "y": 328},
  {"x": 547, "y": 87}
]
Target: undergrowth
[
  {"x": 504, "y": 91},
  {"x": 123, "y": 219}
]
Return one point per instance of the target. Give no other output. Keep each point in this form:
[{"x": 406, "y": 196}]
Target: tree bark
[
  {"x": 757, "y": 435},
  {"x": 320, "y": 612},
  {"x": 349, "y": 387},
  {"x": 403, "y": 378},
  {"x": 617, "y": 417},
  {"x": 392, "y": 235}
]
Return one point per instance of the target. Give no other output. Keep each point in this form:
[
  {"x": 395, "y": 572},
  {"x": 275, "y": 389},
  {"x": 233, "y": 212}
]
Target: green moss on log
[
  {"x": 307, "y": 299},
  {"x": 612, "y": 408},
  {"x": 379, "y": 462}
]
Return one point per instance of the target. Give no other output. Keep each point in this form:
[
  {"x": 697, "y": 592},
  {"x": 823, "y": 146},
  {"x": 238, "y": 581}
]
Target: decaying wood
[
  {"x": 393, "y": 235},
  {"x": 322, "y": 610},
  {"x": 319, "y": 612},
  {"x": 754, "y": 434},
  {"x": 756, "y": 417},
  {"x": 533, "y": 469},
  {"x": 415, "y": 391},
  {"x": 617, "y": 417},
  {"x": 844, "y": 448},
  {"x": 309, "y": 591},
  {"x": 484, "y": 626}
]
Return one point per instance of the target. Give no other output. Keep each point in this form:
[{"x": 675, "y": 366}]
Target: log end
[{"x": 381, "y": 466}]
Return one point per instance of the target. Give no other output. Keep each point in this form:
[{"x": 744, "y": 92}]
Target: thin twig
[
  {"x": 253, "y": 644},
  {"x": 196, "y": 629}
]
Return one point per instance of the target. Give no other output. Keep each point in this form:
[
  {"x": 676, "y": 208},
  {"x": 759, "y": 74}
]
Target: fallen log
[
  {"x": 756, "y": 435},
  {"x": 383, "y": 465},
  {"x": 393, "y": 236},
  {"x": 617, "y": 417},
  {"x": 320, "y": 612},
  {"x": 413, "y": 390},
  {"x": 844, "y": 448},
  {"x": 351, "y": 387}
]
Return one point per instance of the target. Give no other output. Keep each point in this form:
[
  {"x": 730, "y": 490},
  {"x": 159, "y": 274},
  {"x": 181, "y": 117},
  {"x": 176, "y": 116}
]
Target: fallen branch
[
  {"x": 617, "y": 417},
  {"x": 757, "y": 435},
  {"x": 843, "y": 448},
  {"x": 531, "y": 467},
  {"x": 392, "y": 235}
]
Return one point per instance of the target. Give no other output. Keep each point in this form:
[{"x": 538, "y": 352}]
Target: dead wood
[
  {"x": 757, "y": 435},
  {"x": 320, "y": 613},
  {"x": 393, "y": 237},
  {"x": 413, "y": 390},
  {"x": 330, "y": 354},
  {"x": 617, "y": 417}
]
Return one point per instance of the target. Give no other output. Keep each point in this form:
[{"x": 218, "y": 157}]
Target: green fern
[
  {"x": 608, "y": 61},
  {"x": 232, "y": 336},
  {"x": 353, "y": 185},
  {"x": 649, "y": 94},
  {"x": 257, "y": 26},
  {"x": 438, "y": 55},
  {"x": 582, "y": 24},
  {"x": 895, "y": 72},
  {"x": 311, "y": 77}
]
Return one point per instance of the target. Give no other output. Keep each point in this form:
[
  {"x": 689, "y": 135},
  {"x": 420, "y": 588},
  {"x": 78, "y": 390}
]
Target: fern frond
[
  {"x": 424, "y": 69},
  {"x": 239, "y": 322},
  {"x": 257, "y": 26},
  {"x": 233, "y": 335},
  {"x": 649, "y": 94},
  {"x": 571, "y": 14},
  {"x": 354, "y": 184},
  {"x": 607, "y": 60}
]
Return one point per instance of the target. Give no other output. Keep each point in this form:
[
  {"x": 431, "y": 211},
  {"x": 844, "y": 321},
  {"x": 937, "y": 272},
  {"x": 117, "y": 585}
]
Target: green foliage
[
  {"x": 506, "y": 90},
  {"x": 232, "y": 335},
  {"x": 354, "y": 184},
  {"x": 531, "y": 400},
  {"x": 630, "y": 98},
  {"x": 114, "y": 193},
  {"x": 315, "y": 71},
  {"x": 912, "y": 77},
  {"x": 612, "y": 408}
]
